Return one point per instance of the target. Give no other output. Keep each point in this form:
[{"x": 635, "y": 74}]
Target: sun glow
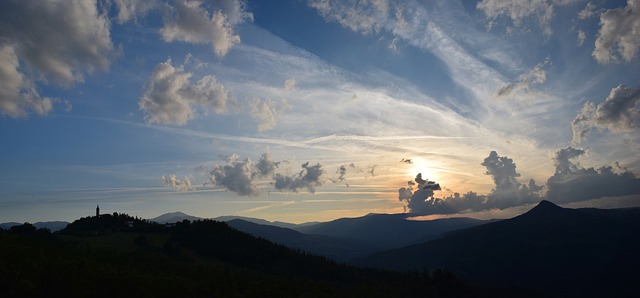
[{"x": 429, "y": 172}]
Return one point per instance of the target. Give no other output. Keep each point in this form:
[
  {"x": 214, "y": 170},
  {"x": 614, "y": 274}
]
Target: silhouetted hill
[
  {"x": 173, "y": 217},
  {"x": 335, "y": 248},
  {"x": 385, "y": 231},
  {"x": 581, "y": 252},
  {"x": 202, "y": 258},
  {"x": 109, "y": 223}
]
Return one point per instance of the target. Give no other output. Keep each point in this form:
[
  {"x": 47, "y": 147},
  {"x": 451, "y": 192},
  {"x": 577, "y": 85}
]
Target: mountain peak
[
  {"x": 545, "y": 208},
  {"x": 173, "y": 217}
]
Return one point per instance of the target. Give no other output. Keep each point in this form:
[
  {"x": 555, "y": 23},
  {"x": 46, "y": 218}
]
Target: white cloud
[
  {"x": 17, "y": 93},
  {"x": 360, "y": 16},
  {"x": 581, "y": 37},
  {"x": 266, "y": 111},
  {"x": 170, "y": 98},
  {"x": 131, "y": 9},
  {"x": 308, "y": 178},
  {"x": 177, "y": 184},
  {"x": 619, "y": 112},
  {"x": 526, "y": 81},
  {"x": 57, "y": 41},
  {"x": 520, "y": 11},
  {"x": 619, "y": 34},
  {"x": 588, "y": 11},
  {"x": 190, "y": 21}
]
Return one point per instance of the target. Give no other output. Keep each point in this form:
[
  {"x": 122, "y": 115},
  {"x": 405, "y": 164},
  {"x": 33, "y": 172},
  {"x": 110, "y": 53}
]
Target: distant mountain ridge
[
  {"x": 583, "y": 252},
  {"x": 173, "y": 217},
  {"x": 334, "y": 248},
  {"x": 385, "y": 231},
  {"x": 53, "y": 226},
  {"x": 342, "y": 239}
]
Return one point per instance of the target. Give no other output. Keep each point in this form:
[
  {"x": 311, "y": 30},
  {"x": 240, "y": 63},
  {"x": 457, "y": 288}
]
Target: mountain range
[
  {"x": 574, "y": 252},
  {"x": 385, "y": 231},
  {"x": 548, "y": 250}
]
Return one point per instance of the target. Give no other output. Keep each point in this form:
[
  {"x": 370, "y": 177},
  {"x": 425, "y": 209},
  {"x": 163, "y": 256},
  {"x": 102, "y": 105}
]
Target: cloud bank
[
  {"x": 570, "y": 183},
  {"x": 247, "y": 178}
]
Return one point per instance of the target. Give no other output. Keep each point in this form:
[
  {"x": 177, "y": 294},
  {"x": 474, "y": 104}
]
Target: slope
[
  {"x": 385, "y": 231},
  {"x": 338, "y": 249},
  {"x": 567, "y": 251}
]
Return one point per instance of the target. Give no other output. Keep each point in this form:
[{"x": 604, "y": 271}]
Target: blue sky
[{"x": 313, "y": 110}]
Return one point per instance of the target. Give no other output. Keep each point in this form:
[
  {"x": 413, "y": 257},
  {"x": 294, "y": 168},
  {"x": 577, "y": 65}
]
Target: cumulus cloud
[
  {"x": 360, "y": 16},
  {"x": 17, "y": 93},
  {"x": 619, "y": 34},
  {"x": 526, "y": 81},
  {"x": 508, "y": 191},
  {"x": 58, "y": 41},
  {"x": 242, "y": 175},
  {"x": 419, "y": 197},
  {"x": 249, "y": 178},
  {"x": 308, "y": 178},
  {"x": 170, "y": 98},
  {"x": 175, "y": 183},
  {"x": 572, "y": 183},
  {"x": 619, "y": 112},
  {"x": 190, "y": 21},
  {"x": 562, "y": 160}
]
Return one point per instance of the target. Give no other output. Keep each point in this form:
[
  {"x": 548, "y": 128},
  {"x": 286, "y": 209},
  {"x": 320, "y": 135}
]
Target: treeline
[
  {"x": 194, "y": 259},
  {"x": 110, "y": 223}
]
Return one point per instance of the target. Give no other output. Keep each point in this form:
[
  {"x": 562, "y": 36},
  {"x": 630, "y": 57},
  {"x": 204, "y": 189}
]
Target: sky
[{"x": 313, "y": 110}]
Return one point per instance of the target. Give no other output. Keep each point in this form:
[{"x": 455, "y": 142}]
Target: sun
[{"x": 418, "y": 165}]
